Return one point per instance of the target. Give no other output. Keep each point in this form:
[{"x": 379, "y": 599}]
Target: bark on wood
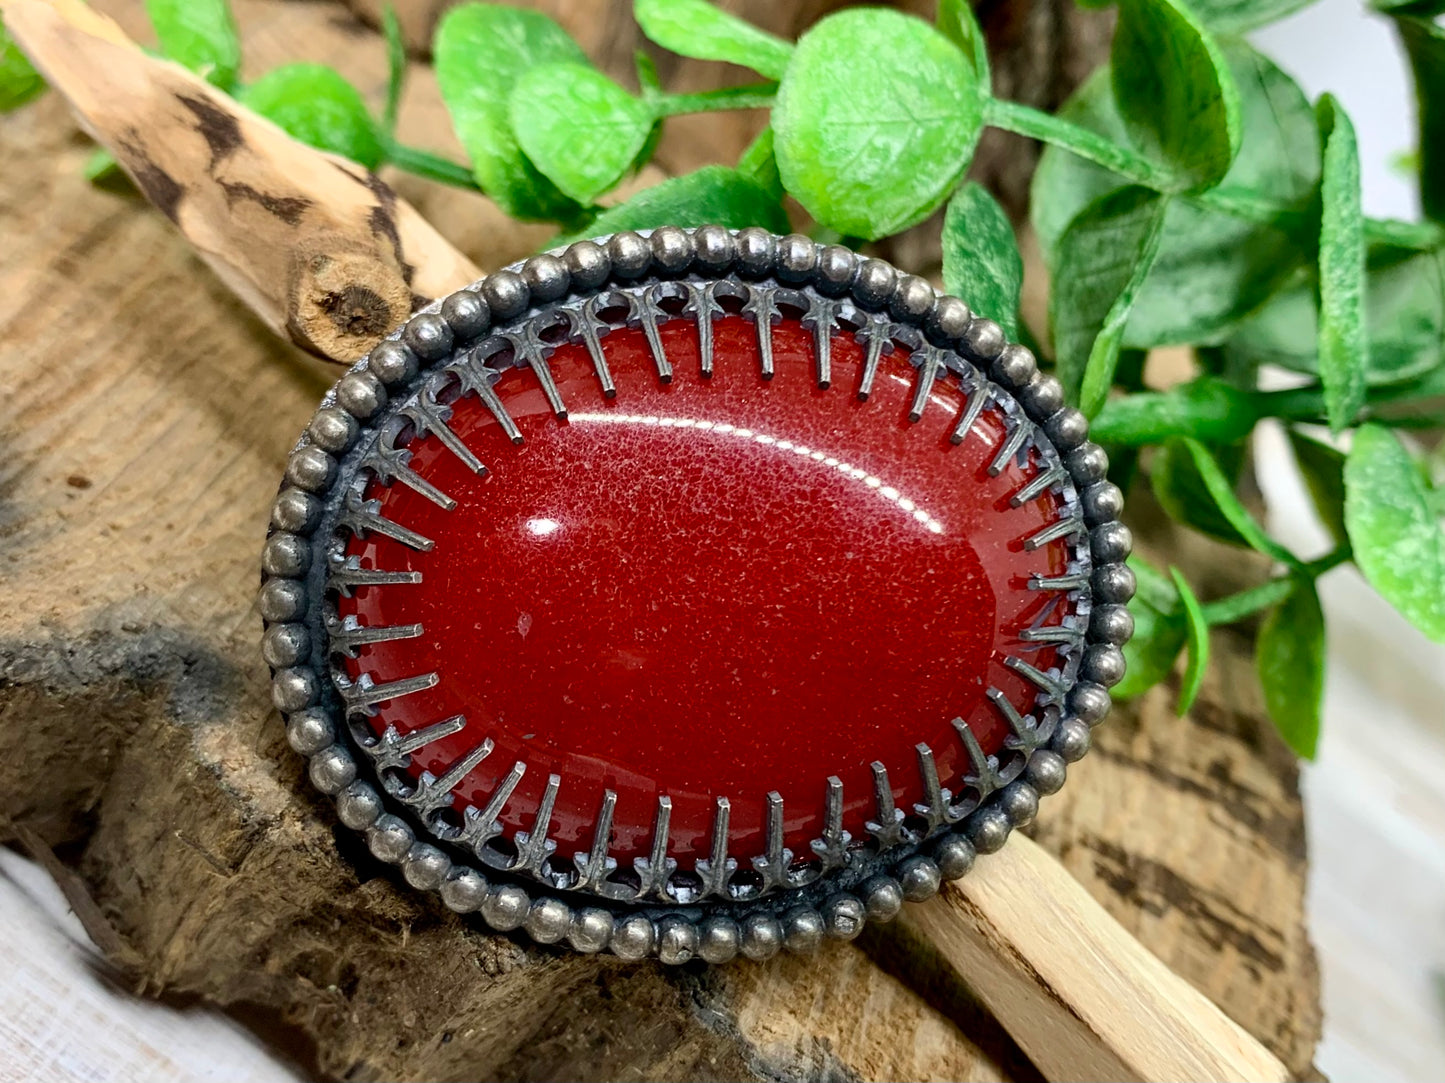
[{"x": 146, "y": 422}]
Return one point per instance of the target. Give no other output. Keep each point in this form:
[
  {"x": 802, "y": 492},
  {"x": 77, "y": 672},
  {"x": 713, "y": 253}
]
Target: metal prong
[
  {"x": 393, "y": 749},
  {"x": 930, "y": 365},
  {"x": 533, "y": 847},
  {"x": 529, "y": 346},
  {"x": 346, "y": 635},
  {"x": 1053, "y": 532},
  {"x": 762, "y": 306},
  {"x": 877, "y": 340},
  {"x": 479, "y": 827},
  {"x": 432, "y": 794},
  {"x": 888, "y": 828},
  {"x": 1037, "y": 485},
  {"x": 717, "y": 868},
  {"x": 594, "y": 866},
  {"x": 773, "y": 865},
  {"x": 364, "y": 693},
  {"x": 934, "y": 808},
  {"x": 832, "y": 848},
  {"x": 430, "y": 418},
  {"x": 587, "y": 324},
  {"x": 1050, "y": 686},
  {"x": 977, "y": 399},
  {"x": 1018, "y": 433},
  {"x": 822, "y": 319},
  {"x": 656, "y": 870},
  {"x": 1027, "y": 734},
  {"x": 647, "y": 313},
  {"x": 702, "y": 305},
  {"x": 1072, "y": 581},
  {"x": 476, "y": 377},
  {"x": 364, "y": 517},
  {"x": 348, "y": 575},
  {"x": 1052, "y": 633},
  {"x": 390, "y": 464},
  {"x": 984, "y": 776}
]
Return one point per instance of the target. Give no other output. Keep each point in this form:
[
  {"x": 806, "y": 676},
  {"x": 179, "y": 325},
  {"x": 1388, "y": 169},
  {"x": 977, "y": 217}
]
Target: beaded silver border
[{"x": 853, "y": 885}]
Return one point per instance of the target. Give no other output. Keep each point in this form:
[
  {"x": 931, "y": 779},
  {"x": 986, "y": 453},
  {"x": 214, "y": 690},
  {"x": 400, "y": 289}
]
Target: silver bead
[
  {"x": 389, "y": 838},
  {"x": 467, "y": 314},
  {"x": 762, "y": 936},
  {"x": 632, "y": 937},
  {"x": 295, "y": 511},
  {"x": 1015, "y": 366},
  {"x": 844, "y": 916},
  {"x": 1102, "y": 501},
  {"x": 425, "y": 867},
  {"x": 506, "y": 907},
  {"x": 1113, "y": 583},
  {"x": 590, "y": 930},
  {"x": 1089, "y": 702},
  {"x": 285, "y": 644},
  {"x": 797, "y": 256},
  {"x": 988, "y": 829},
  {"x": 836, "y": 267},
  {"x": 332, "y": 770},
  {"x": 464, "y": 891},
  {"x": 882, "y": 898},
  {"x": 949, "y": 319},
  {"x": 671, "y": 249},
  {"x": 294, "y": 689},
  {"x": 588, "y": 264},
  {"x": 1087, "y": 463},
  {"x": 546, "y": 276},
  {"x": 1111, "y": 543},
  {"x": 332, "y": 429},
  {"x": 873, "y": 285},
  {"x": 281, "y": 600},
  {"x": 310, "y": 468},
  {"x": 1042, "y": 396},
  {"x": 920, "y": 878},
  {"x": 1046, "y": 771},
  {"x": 676, "y": 940},
  {"x": 548, "y": 920},
  {"x": 429, "y": 336},
  {"x": 358, "y": 806},
  {"x": 802, "y": 930},
  {"x": 715, "y": 249},
  {"x": 984, "y": 341},
  {"x": 1020, "y": 803},
  {"x": 392, "y": 363},
  {"x": 285, "y": 554},
  {"x": 912, "y": 298},
  {"x": 631, "y": 254},
  {"x": 1112, "y": 623},
  {"x": 756, "y": 252},
  {"x": 308, "y": 732},
  {"x": 1067, "y": 429},
  {"x": 1103, "y": 664},
  {"x": 954, "y": 856},
  {"x": 1071, "y": 740},
  {"x": 506, "y": 294},
  {"x": 718, "y": 939}
]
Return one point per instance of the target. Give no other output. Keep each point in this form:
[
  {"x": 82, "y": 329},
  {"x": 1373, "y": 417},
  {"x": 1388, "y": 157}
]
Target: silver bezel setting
[{"x": 674, "y": 914}]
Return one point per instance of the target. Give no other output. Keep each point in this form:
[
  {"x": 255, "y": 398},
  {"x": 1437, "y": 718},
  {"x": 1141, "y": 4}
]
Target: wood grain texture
[{"x": 145, "y": 425}]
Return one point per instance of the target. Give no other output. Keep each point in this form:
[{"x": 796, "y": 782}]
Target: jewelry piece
[{"x": 693, "y": 594}]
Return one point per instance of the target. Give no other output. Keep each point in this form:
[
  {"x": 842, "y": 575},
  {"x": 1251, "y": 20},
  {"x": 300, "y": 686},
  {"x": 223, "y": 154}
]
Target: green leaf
[
  {"x": 1197, "y": 641},
  {"x": 1175, "y": 91},
  {"x": 876, "y": 121},
  {"x": 1206, "y": 408},
  {"x": 1424, "y": 43},
  {"x": 395, "y": 67},
  {"x": 1221, "y": 491},
  {"x": 1151, "y": 652},
  {"x": 578, "y": 127},
  {"x": 713, "y": 194},
  {"x": 759, "y": 163},
  {"x": 1237, "y": 16},
  {"x": 480, "y": 52},
  {"x": 957, "y": 21},
  {"x": 314, "y": 104},
  {"x": 200, "y": 35},
  {"x": 1396, "y": 536},
  {"x": 1183, "y": 494},
  {"x": 1343, "y": 347},
  {"x": 697, "y": 29},
  {"x": 1323, "y": 470},
  {"x": 981, "y": 262},
  {"x": 19, "y": 81},
  {"x": 1404, "y": 315},
  {"x": 1100, "y": 266},
  {"x": 1290, "y": 659},
  {"x": 1213, "y": 268}
]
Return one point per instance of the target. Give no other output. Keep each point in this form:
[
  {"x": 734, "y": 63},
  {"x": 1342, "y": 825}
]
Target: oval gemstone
[{"x": 723, "y": 587}]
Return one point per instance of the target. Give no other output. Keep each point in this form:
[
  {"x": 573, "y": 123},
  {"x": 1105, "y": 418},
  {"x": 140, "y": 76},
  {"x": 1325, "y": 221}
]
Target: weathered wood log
[{"x": 139, "y": 742}]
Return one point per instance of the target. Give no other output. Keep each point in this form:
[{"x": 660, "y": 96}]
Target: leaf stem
[
  {"x": 424, "y": 163},
  {"x": 750, "y": 96},
  {"x": 1034, "y": 124},
  {"x": 1246, "y": 603}
]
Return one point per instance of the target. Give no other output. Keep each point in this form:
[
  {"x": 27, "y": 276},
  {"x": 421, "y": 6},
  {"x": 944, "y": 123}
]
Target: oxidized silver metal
[{"x": 708, "y": 911}]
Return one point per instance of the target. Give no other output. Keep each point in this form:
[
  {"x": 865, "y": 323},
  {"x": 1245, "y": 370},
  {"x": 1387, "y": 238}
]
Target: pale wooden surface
[{"x": 138, "y": 475}]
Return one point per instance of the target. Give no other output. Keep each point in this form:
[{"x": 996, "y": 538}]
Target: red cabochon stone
[{"x": 717, "y": 587}]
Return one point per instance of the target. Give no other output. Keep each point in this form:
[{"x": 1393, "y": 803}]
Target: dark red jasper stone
[{"x": 714, "y": 587}]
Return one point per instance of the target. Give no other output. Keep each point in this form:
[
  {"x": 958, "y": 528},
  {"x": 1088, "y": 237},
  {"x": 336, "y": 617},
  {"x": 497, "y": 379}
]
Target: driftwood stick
[
  {"x": 320, "y": 248},
  {"x": 1082, "y": 997}
]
